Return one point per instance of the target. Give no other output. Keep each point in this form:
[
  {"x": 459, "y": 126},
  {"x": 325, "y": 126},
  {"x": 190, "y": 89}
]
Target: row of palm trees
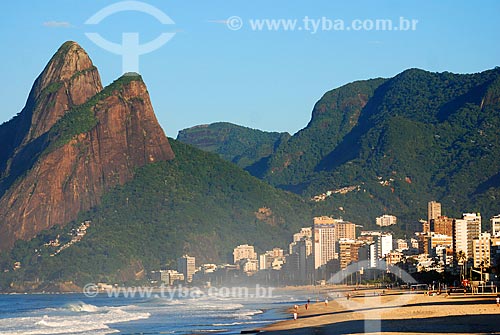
[{"x": 462, "y": 261}]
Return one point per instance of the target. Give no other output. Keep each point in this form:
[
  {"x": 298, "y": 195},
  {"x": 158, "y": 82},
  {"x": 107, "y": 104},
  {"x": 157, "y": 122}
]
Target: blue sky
[{"x": 265, "y": 79}]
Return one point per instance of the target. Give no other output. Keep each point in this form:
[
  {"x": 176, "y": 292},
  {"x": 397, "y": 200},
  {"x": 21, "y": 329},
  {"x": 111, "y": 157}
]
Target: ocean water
[{"x": 77, "y": 314}]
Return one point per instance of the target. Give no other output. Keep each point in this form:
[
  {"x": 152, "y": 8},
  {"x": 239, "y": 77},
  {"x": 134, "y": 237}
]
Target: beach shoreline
[{"x": 371, "y": 310}]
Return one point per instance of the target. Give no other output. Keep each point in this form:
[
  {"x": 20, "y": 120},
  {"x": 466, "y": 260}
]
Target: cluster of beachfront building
[{"x": 331, "y": 245}]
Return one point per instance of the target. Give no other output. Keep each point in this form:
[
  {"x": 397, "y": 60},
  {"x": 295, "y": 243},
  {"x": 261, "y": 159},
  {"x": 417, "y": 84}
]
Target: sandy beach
[{"x": 394, "y": 312}]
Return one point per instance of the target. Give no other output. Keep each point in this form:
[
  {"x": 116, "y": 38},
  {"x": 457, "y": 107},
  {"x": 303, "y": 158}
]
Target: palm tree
[{"x": 462, "y": 259}]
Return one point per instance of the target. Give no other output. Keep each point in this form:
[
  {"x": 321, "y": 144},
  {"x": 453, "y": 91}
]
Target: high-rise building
[
  {"x": 442, "y": 225},
  {"x": 460, "y": 237},
  {"x": 386, "y": 220},
  {"x": 384, "y": 244},
  {"x": 495, "y": 226},
  {"x": 473, "y": 217},
  {"x": 306, "y": 265},
  {"x": 433, "y": 210},
  {"x": 482, "y": 250},
  {"x": 300, "y": 262},
  {"x": 324, "y": 240},
  {"x": 345, "y": 229},
  {"x": 186, "y": 266},
  {"x": 348, "y": 252},
  {"x": 326, "y": 233},
  {"x": 373, "y": 255},
  {"x": 464, "y": 232},
  {"x": 244, "y": 251}
]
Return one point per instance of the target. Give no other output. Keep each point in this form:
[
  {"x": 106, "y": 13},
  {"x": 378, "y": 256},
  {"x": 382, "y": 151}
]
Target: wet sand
[{"x": 395, "y": 312}]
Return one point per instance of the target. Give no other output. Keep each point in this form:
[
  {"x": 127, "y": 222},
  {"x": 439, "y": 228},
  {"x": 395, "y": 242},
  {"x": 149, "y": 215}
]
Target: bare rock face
[
  {"x": 74, "y": 160},
  {"x": 69, "y": 79}
]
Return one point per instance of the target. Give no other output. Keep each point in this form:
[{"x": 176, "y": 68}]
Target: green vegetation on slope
[
  {"x": 240, "y": 145},
  {"x": 334, "y": 115},
  {"x": 81, "y": 119},
  {"x": 422, "y": 136},
  {"x": 417, "y": 137},
  {"x": 196, "y": 203}
]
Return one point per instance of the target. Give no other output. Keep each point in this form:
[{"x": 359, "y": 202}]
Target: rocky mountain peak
[
  {"x": 70, "y": 78},
  {"x": 67, "y": 63},
  {"x": 72, "y": 143}
]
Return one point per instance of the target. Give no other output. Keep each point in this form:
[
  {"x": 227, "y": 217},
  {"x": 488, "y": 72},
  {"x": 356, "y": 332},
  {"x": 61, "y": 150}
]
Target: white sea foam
[
  {"x": 244, "y": 314},
  {"x": 82, "y": 307},
  {"x": 94, "y": 320},
  {"x": 219, "y": 307}
]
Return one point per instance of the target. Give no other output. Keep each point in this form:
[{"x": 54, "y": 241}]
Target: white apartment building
[
  {"x": 244, "y": 251},
  {"x": 386, "y": 220},
  {"x": 324, "y": 240},
  {"x": 466, "y": 230},
  {"x": 495, "y": 226},
  {"x": 384, "y": 244}
]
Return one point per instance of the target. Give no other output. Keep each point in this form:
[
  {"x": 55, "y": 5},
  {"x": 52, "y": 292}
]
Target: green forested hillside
[
  {"x": 404, "y": 141},
  {"x": 422, "y": 136},
  {"x": 240, "y": 145},
  {"x": 196, "y": 204},
  {"x": 333, "y": 116}
]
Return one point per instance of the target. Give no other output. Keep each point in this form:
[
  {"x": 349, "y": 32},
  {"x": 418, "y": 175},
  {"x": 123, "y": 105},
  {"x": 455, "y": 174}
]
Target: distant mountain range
[
  {"x": 397, "y": 143},
  {"x": 91, "y": 189}
]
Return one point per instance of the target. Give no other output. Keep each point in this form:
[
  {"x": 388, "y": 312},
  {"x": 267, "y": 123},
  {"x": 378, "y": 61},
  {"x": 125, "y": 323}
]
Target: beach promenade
[{"x": 394, "y": 312}]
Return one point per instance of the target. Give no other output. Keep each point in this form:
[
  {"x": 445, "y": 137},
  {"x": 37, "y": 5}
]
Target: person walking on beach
[
  {"x": 498, "y": 300},
  {"x": 326, "y": 302},
  {"x": 295, "y": 315}
]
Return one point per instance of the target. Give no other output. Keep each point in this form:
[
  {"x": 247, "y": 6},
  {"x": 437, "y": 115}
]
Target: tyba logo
[{"x": 130, "y": 49}]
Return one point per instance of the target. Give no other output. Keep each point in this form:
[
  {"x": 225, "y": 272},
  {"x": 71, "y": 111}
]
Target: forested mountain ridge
[{"x": 405, "y": 140}]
